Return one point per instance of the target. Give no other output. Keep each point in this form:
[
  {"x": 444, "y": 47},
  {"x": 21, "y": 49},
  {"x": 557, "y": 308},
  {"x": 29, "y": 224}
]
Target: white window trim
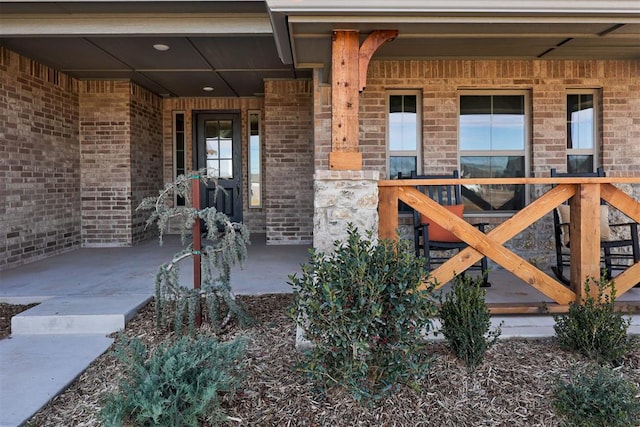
[
  {"x": 526, "y": 151},
  {"x": 418, "y": 151},
  {"x": 596, "y": 131}
]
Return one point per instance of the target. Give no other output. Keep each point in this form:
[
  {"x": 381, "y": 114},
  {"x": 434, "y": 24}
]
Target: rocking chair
[
  {"x": 617, "y": 253},
  {"x": 430, "y": 239}
]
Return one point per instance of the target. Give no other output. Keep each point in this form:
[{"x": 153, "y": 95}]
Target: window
[
  {"x": 581, "y": 131},
  {"x": 493, "y": 138},
  {"x": 255, "y": 158},
  {"x": 179, "y": 157},
  {"x": 403, "y": 134}
]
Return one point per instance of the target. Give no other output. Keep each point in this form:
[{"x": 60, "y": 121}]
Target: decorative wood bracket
[
  {"x": 349, "y": 64},
  {"x": 368, "y": 48}
]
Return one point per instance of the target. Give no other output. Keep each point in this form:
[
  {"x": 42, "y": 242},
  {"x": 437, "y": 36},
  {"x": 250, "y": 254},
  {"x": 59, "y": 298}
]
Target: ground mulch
[
  {"x": 512, "y": 387},
  {"x": 7, "y": 311}
]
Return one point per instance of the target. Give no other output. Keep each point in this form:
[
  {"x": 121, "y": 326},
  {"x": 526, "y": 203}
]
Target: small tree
[{"x": 226, "y": 245}]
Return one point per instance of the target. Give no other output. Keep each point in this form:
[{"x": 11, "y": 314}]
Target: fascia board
[
  {"x": 571, "y": 7},
  {"x": 133, "y": 24}
]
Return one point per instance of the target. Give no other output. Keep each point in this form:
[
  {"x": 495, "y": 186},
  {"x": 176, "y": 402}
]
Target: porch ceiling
[{"x": 233, "y": 46}]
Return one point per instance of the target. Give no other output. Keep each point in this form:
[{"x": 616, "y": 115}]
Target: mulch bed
[
  {"x": 512, "y": 387},
  {"x": 7, "y": 311}
]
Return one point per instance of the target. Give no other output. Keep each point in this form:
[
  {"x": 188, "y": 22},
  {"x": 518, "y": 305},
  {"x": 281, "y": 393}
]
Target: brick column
[{"x": 340, "y": 198}]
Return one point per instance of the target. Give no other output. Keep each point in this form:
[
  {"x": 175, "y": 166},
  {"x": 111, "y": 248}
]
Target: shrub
[
  {"x": 596, "y": 397},
  {"x": 466, "y": 320},
  {"x": 594, "y": 328},
  {"x": 179, "y": 384},
  {"x": 364, "y": 312}
]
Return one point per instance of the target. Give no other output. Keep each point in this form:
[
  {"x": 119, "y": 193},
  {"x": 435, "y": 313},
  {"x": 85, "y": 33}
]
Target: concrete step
[{"x": 78, "y": 315}]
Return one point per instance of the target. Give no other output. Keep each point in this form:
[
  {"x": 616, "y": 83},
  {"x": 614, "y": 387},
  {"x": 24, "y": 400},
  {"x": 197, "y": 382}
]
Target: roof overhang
[{"x": 469, "y": 29}]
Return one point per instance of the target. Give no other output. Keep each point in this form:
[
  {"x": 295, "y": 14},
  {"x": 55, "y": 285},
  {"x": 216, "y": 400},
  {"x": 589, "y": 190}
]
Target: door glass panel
[
  {"x": 226, "y": 169},
  {"x": 219, "y": 145},
  {"x": 212, "y": 148},
  {"x": 225, "y": 149}
]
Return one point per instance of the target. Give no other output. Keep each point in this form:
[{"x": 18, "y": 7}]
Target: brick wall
[
  {"x": 39, "y": 161},
  {"x": 105, "y": 155},
  {"x": 121, "y": 160},
  {"x": 547, "y": 81},
  {"x": 146, "y": 155},
  {"x": 253, "y": 218},
  {"x": 289, "y": 152}
]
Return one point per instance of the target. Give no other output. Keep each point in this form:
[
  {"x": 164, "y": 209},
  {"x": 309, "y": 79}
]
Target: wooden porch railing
[{"x": 585, "y": 195}]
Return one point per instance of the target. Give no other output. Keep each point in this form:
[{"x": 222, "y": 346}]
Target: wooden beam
[
  {"x": 584, "y": 234},
  {"x": 342, "y": 161},
  {"x": 369, "y": 47},
  {"x": 345, "y": 97},
  {"x": 388, "y": 213}
]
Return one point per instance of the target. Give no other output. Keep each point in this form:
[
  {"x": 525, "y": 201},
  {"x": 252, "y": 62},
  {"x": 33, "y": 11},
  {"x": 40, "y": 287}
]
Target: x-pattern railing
[{"x": 584, "y": 195}]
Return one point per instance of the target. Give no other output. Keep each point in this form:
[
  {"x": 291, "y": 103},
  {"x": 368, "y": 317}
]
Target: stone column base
[{"x": 340, "y": 198}]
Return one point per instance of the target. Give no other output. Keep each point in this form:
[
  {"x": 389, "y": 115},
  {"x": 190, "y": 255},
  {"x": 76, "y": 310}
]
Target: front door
[{"x": 218, "y": 150}]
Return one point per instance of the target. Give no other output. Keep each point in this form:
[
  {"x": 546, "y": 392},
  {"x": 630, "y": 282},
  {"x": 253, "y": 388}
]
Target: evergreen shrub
[
  {"x": 596, "y": 396},
  {"x": 365, "y": 313},
  {"x": 595, "y": 328},
  {"x": 179, "y": 384},
  {"x": 466, "y": 320}
]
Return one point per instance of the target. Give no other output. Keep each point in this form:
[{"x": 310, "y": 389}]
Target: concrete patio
[{"x": 90, "y": 293}]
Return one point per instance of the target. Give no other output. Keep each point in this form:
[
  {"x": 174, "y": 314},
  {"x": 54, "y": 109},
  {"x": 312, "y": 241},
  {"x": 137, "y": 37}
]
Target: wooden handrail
[{"x": 584, "y": 195}]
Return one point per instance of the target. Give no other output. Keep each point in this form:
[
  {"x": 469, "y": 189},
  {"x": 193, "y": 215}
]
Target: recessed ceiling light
[
  {"x": 208, "y": 89},
  {"x": 161, "y": 47}
]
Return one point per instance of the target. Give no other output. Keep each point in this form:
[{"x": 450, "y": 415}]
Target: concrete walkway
[{"x": 87, "y": 294}]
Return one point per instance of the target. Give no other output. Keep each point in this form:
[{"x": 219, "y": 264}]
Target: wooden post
[
  {"x": 345, "y": 101},
  {"x": 349, "y": 63},
  {"x": 197, "y": 242},
  {"x": 584, "y": 234},
  {"x": 388, "y": 212}
]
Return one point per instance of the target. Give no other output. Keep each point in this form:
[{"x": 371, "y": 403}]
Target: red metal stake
[{"x": 197, "y": 242}]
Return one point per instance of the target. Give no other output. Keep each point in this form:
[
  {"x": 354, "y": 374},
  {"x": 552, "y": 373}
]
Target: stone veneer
[{"x": 343, "y": 198}]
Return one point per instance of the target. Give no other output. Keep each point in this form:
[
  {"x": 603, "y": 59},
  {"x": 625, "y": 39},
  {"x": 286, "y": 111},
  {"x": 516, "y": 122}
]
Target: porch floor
[{"x": 88, "y": 293}]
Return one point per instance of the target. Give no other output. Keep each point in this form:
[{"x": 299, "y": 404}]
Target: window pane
[
  {"x": 580, "y": 121},
  {"x": 403, "y": 164},
  {"x": 255, "y": 158},
  {"x": 580, "y": 164},
  {"x": 395, "y": 104},
  {"x": 508, "y": 132},
  {"x": 402, "y": 123},
  {"x": 487, "y": 198},
  {"x": 492, "y": 122},
  {"x": 475, "y": 122}
]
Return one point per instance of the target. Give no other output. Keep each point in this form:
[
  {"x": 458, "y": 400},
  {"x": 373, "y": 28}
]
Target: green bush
[
  {"x": 596, "y": 397},
  {"x": 180, "y": 384},
  {"x": 594, "y": 328},
  {"x": 364, "y": 312},
  {"x": 466, "y": 320}
]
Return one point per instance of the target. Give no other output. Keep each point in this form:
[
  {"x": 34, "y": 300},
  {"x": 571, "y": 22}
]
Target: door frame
[{"x": 199, "y": 157}]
